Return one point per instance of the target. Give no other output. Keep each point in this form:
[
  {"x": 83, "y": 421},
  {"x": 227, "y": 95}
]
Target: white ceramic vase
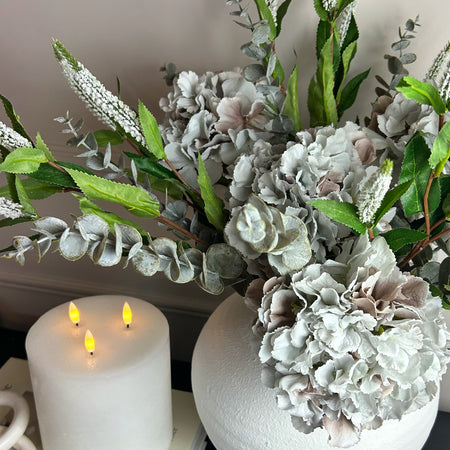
[{"x": 238, "y": 412}]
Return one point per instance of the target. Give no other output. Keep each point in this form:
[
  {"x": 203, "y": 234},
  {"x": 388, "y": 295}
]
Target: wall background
[{"x": 131, "y": 40}]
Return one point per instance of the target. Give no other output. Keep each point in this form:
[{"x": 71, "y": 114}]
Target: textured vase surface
[{"x": 239, "y": 412}]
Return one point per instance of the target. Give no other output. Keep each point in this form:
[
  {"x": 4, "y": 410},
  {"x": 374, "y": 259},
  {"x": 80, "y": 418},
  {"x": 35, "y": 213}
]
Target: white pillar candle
[{"x": 117, "y": 398}]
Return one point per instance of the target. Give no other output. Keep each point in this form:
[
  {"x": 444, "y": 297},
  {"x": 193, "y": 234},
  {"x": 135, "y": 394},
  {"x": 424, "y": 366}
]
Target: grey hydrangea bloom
[
  {"x": 219, "y": 116},
  {"x": 322, "y": 163},
  {"x": 402, "y": 118},
  {"x": 360, "y": 343}
]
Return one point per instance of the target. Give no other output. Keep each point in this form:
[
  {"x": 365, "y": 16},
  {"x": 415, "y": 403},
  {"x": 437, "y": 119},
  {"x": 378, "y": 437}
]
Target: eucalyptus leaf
[
  {"x": 261, "y": 34},
  {"x": 225, "y": 260},
  {"x": 253, "y": 51},
  {"x": 266, "y": 14},
  {"x": 72, "y": 245},
  {"x": 88, "y": 207},
  {"x": 146, "y": 262},
  {"x": 254, "y": 72}
]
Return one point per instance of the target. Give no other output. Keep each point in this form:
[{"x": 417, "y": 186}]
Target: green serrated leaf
[
  {"x": 40, "y": 144},
  {"x": 350, "y": 91},
  {"x": 156, "y": 170},
  {"x": 322, "y": 36},
  {"x": 415, "y": 167},
  {"x": 422, "y": 92},
  {"x": 14, "y": 118},
  {"x": 291, "y": 102},
  {"x": 347, "y": 55},
  {"x": 24, "y": 200},
  {"x": 105, "y": 137},
  {"x": 23, "y": 160},
  {"x": 281, "y": 12},
  {"x": 214, "y": 207},
  {"x": 446, "y": 207},
  {"x": 88, "y": 207},
  {"x": 320, "y": 10},
  {"x": 441, "y": 149},
  {"x": 35, "y": 190},
  {"x": 135, "y": 200},
  {"x": 48, "y": 174},
  {"x": 265, "y": 13},
  {"x": 341, "y": 212},
  {"x": 151, "y": 132},
  {"x": 342, "y": 5},
  {"x": 399, "y": 237},
  {"x": 390, "y": 198}
]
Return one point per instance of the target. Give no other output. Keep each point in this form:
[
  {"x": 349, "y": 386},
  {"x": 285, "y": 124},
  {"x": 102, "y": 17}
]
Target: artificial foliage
[{"x": 337, "y": 233}]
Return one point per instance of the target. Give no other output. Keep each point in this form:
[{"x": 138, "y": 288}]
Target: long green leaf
[
  {"x": 399, "y": 237},
  {"x": 23, "y": 160},
  {"x": 265, "y": 13},
  {"x": 214, "y": 207},
  {"x": 36, "y": 190},
  {"x": 88, "y": 207},
  {"x": 389, "y": 199},
  {"x": 415, "y": 167},
  {"x": 320, "y": 10},
  {"x": 291, "y": 102},
  {"x": 151, "y": 132},
  {"x": 350, "y": 91},
  {"x": 347, "y": 55},
  {"x": 135, "y": 200},
  {"x": 281, "y": 12},
  {"x": 341, "y": 212},
  {"x": 27, "y": 207},
  {"x": 326, "y": 69},
  {"x": 40, "y": 144},
  {"x": 14, "y": 118},
  {"x": 51, "y": 175},
  {"x": 105, "y": 137},
  {"x": 441, "y": 149},
  {"x": 422, "y": 92}
]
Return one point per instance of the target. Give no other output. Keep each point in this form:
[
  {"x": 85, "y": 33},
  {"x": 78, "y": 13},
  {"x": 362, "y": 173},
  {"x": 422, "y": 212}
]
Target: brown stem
[
  {"x": 61, "y": 169},
  {"x": 439, "y": 235},
  {"x": 173, "y": 225},
  {"x": 175, "y": 171},
  {"x": 371, "y": 234},
  {"x": 138, "y": 150},
  {"x": 439, "y": 222}
]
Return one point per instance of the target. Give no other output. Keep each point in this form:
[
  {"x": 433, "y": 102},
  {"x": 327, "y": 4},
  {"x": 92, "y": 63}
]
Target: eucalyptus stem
[{"x": 169, "y": 223}]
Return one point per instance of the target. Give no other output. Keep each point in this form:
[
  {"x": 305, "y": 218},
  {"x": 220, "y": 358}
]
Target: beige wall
[{"x": 131, "y": 39}]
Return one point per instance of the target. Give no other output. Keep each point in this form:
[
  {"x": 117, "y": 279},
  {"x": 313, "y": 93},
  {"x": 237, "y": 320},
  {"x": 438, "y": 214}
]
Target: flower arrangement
[{"x": 338, "y": 235}]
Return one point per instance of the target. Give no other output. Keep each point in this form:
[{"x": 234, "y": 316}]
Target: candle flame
[
  {"x": 127, "y": 314},
  {"x": 89, "y": 342},
  {"x": 74, "y": 314}
]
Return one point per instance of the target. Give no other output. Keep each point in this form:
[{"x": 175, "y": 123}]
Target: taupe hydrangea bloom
[{"x": 364, "y": 342}]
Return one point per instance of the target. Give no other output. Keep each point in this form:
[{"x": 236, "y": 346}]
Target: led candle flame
[
  {"x": 89, "y": 342},
  {"x": 127, "y": 314},
  {"x": 74, "y": 314}
]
